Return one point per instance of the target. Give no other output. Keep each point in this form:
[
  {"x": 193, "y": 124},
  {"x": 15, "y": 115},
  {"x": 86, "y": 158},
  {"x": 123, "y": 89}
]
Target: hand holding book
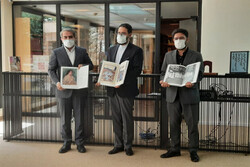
[
  {"x": 112, "y": 74},
  {"x": 179, "y": 75},
  {"x": 74, "y": 77}
]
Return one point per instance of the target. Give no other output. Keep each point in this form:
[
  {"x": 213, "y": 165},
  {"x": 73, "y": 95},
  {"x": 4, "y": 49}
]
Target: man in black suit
[
  {"x": 122, "y": 97},
  {"x": 71, "y": 56},
  {"x": 182, "y": 101}
]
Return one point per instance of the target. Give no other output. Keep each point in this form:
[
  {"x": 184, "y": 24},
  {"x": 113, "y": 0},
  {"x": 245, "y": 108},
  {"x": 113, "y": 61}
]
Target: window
[
  {"x": 141, "y": 16},
  {"x": 88, "y": 21},
  {"x": 35, "y": 36},
  {"x": 178, "y": 15}
]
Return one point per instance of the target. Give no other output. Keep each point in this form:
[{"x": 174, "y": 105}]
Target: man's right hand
[
  {"x": 59, "y": 86},
  {"x": 98, "y": 84},
  {"x": 164, "y": 84}
]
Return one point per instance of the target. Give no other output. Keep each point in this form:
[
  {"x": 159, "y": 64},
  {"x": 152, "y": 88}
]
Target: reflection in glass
[{"x": 35, "y": 36}]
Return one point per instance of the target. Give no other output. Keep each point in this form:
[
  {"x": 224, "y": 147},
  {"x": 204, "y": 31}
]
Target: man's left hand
[
  {"x": 189, "y": 85},
  {"x": 79, "y": 66}
]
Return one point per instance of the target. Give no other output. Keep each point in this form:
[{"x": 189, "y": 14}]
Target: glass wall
[
  {"x": 88, "y": 21},
  {"x": 35, "y": 37},
  {"x": 141, "y": 16},
  {"x": 186, "y": 17}
]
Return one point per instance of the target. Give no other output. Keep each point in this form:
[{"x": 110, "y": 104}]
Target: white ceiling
[{"x": 139, "y": 15}]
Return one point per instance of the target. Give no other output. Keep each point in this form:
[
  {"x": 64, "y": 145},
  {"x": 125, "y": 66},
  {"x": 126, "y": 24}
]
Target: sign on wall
[{"x": 239, "y": 61}]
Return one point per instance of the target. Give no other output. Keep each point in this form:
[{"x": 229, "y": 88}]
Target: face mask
[
  {"x": 180, "y": 43},
  {"x": 121, "y": 39},
  {"x": 68, "y": 43}
]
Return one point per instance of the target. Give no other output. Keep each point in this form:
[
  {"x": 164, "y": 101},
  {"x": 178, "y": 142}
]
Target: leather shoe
[
  {"x": 81, "y": 148},
  {"x": 129, "y": 152},
  {"x": 65, "y": 148},
  {"x": 171, "y": 154},
  {"x": 194, "y": 156},
  {"x": 116, "y": 150}
]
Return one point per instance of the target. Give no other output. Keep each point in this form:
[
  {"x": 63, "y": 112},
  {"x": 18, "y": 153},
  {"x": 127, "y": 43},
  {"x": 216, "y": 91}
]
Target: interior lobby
[{"x": 29, "y": 115}]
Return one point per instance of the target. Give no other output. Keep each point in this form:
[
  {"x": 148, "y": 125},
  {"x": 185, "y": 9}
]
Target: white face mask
[
  {"x": 121, "y": 39},
  {"x": 68, "y": 43},
  {"x": 180, "y": 43}
]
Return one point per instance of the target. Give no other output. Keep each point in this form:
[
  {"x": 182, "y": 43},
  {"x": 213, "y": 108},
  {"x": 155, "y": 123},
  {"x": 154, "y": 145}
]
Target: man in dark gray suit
[
  {"x": 71, "y": 56},
  {"x": 122, "y": 97},
  {"x": 182, "y": 100}
]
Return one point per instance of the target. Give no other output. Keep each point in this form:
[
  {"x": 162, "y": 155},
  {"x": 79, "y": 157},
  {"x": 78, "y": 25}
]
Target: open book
[
  {"x": 113, "y": 74},
  {"x": 74, "y": 78},
  {"x": 179, "y": 75}
]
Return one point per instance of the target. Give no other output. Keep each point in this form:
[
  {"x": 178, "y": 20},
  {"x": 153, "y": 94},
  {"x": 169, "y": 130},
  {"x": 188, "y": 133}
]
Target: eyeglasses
[{"x": 180, "y": 38}]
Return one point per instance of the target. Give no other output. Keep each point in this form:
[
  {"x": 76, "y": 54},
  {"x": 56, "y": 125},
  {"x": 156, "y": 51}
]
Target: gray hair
[{"x": 69, "y": 30}]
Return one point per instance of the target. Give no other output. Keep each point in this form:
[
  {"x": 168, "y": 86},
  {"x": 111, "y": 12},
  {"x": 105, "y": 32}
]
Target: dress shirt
[
  {"x": 120, "y": 52},
  {"x": 71, "y": 54}
]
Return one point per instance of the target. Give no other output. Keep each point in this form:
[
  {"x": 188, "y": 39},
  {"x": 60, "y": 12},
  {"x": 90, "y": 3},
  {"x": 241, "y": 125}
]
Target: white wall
[
  {"x": 225, "y": 28},
  {"x": 7, "y": 37}
]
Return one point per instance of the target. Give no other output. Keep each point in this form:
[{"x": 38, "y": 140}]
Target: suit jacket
[
  {"x": 186, "y": 95},
  {"x": 59, "y": 58},
  {"x": 135, "y": 56}
]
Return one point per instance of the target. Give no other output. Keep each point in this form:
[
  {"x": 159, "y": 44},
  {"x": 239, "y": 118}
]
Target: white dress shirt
[
  {"x": 71, "y": 54},
  {"x": 120, "y": 52}
]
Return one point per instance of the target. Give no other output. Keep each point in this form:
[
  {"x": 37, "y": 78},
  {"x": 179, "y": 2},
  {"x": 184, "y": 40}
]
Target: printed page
[
  {"x": 174, "y": 75},
  {"x": 122, "y": 73},
  {"x": 191, "y": 74},
  {"x": 69, "y": 77},
  {"x": 108, "y": 73},
  {"x": 83, "y": 77},
  {"x": 40, "y": 63}
]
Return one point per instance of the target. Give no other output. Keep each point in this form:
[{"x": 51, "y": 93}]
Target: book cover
[{"x": 15, "y": 64}]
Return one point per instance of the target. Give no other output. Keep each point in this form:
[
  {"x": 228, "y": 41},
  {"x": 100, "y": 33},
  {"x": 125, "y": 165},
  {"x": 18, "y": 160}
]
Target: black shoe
[
  {"x": 129, "y": 152},
  {"x": 194, "y": 156},
  {"x": 81, "y": 148},
  {"x": 116, "y": 150},
  {"x": 171, "y": 154},
  {"x": 65, "y": 148}
]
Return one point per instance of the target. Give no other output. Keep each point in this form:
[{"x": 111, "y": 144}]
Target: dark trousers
[
  {"x": 191, "y": 116},
  {"x": 66, "y": 105},
  {"x": 123, "y": 123}
]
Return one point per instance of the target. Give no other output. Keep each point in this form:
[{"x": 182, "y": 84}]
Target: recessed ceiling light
[
  {"x": 82, "y": 10},
  {"x": 77, "y": 26},
  {"x": 148, "y": 8}
]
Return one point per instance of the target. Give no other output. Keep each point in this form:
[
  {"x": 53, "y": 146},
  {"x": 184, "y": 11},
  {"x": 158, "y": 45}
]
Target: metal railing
[{"x": 30, "y": 112}]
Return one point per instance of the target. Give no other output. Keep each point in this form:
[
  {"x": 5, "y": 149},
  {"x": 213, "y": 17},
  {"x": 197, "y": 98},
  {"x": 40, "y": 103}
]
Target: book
[
  {"x": 74, "y": 78},
  {"x": 179, "y": 75},
  {"x": 15, "y": 63},
  {"x": 113, "y": 74}
]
